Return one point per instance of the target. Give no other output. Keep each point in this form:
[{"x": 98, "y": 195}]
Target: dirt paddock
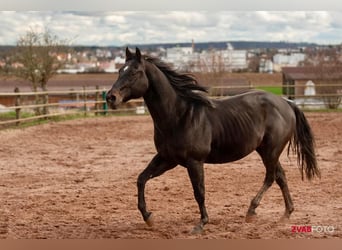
[{"x": 77, "y": 179}]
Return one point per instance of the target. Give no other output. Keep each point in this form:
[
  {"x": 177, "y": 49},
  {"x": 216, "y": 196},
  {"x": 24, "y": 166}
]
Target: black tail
[{"x": 302, "y": 143}]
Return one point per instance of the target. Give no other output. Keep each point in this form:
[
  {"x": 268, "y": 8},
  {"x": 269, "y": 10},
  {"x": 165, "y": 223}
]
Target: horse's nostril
[
  {"x": 113, "y": 98},
  {"x": 110, "y": 98}
]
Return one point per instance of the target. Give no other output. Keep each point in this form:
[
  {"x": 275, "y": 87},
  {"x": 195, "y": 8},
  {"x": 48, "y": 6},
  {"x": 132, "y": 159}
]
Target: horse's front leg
[
  {"x": 196, "y": 174},
  {"x": 155, "y": 168}
]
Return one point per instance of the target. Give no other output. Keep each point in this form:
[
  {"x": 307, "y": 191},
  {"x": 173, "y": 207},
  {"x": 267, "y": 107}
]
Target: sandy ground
[{"x": 77, "y": 179}]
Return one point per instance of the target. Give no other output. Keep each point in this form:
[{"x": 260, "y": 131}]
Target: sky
[{"x": 138, "y": 24}]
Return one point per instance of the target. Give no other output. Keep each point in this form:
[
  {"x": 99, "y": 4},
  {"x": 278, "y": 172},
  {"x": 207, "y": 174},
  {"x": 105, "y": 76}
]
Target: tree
[
  {"x": 37, "y": 54},
  {"x": 254, "y": 63}
]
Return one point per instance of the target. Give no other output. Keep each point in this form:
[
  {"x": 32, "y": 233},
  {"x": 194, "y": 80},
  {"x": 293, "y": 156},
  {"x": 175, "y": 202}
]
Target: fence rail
[
  {"x": 92, "y": 101},
  {"x": 70, "y": 102}
]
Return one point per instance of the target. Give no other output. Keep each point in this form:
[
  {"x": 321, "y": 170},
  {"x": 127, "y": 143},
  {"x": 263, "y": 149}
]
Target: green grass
[
  {"x": 274, "y": 90},
  {"x": 11, "y": 115}
]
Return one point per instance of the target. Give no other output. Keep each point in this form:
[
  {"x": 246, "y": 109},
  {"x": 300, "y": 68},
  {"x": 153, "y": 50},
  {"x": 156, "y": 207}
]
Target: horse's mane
[{"x": 186, "y": 85}]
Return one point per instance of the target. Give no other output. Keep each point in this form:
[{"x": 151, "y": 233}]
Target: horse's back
[{"x": 257, "y": 101}]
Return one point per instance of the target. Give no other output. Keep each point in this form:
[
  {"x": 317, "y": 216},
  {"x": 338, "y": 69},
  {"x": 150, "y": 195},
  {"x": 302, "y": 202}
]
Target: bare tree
[
  {"x": 254, "y": 63},
  {"x": 37, "y": 54}
]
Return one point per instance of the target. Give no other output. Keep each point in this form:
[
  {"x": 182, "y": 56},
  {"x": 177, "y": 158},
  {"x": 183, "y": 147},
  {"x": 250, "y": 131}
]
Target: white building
[
  {"x": 180, "y": 57},
  {"x": 265, "y": 66},
  {"x": 284, "y": 60},
  {"x": 222, "y": 60},
  {"x": 235, "y": 59},
  {"x": 185, "y": 58}
]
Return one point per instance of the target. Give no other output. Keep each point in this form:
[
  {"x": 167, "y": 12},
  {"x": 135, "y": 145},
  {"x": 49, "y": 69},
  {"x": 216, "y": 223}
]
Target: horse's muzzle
[{"x": 113, "y": 99}]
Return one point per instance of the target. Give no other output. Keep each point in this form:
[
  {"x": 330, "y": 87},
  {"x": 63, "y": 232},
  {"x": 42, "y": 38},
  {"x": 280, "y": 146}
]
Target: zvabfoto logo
[{"x": 312, "y": 229}]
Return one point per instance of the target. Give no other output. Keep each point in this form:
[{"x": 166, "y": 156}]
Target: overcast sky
[{"x": 119, "y": 28}]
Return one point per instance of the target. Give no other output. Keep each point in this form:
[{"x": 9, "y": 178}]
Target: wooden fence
[
  {"x": 60, "y": 103},
  {"x": 92, "y": 101}
]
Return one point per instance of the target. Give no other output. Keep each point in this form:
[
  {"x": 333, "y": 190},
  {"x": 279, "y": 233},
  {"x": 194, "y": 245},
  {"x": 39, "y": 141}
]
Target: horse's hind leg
[
  {"x": 282, "y": 182},
  {"x": 268, "y": 181},
  {"x": 273, "y": 172}
]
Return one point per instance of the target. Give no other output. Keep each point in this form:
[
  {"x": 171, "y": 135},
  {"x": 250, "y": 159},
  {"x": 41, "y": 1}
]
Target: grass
[
  {"x": 11, "y": 115},
  {"x": 271, "y": 89}
]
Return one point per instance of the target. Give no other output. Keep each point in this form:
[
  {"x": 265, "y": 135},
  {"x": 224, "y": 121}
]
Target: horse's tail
[{"x": 302, "y": 144}]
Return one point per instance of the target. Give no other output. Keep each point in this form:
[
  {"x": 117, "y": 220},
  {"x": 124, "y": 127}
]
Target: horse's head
[{"x": 132, "y": 81}]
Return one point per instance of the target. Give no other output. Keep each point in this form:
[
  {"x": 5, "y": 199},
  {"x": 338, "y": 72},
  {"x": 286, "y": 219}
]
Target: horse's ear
[
  {"x": 138, "y": 54},
  {"x": 129, "y": 55}
]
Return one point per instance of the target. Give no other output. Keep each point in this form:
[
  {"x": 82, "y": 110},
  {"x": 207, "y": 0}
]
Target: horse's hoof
[
  {"x": 250, "y": 218},
  {"x": 285, "y": 218},
  {"x": 149, "y": 221},
  {"x": 197, "y": 230}
]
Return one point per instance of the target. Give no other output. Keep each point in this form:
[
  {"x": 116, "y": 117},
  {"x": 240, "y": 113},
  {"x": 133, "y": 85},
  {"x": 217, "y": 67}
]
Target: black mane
[{"x": 186, "y": 85}]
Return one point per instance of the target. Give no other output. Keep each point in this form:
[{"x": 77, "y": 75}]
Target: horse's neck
[{"x": 161, "y": 99}]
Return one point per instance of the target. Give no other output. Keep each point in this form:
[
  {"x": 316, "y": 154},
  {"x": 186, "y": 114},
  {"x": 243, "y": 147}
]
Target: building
[
  {"x": 265, "y": 66},
  {"x": 287, "y": 60},
  {"x": 228, "y": 60},
  {"x": 327, "y": 82},
  {"x": 180, "y": 57}
]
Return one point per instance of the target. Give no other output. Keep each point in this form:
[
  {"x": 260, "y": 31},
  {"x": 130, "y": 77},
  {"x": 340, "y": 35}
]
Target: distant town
[{"x": 263, "y": 57}]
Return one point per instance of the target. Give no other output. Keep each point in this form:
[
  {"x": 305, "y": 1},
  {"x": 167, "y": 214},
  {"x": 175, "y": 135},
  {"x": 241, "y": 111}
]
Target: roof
[{"x": 312, "y": 73}]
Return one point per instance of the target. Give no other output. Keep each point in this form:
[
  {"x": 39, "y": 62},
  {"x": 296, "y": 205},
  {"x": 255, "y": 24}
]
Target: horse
[{"x": 191, "y": 129}]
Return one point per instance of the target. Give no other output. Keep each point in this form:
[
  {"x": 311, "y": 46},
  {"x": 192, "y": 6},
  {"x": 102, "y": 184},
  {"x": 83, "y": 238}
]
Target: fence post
[
  {"x": 105, "y": 108},
  {"x": 97, "y": 99},
  {"x": 45, "y": 102},
  {"x": 17, "y": 104},
  {"x": 84, "y": 100}
]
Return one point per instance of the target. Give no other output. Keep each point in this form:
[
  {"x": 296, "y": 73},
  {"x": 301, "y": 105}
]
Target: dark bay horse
[{"x": 191, "y": 129}]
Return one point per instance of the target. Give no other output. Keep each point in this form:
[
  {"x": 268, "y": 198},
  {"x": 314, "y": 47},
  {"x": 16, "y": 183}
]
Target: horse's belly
[{"x": 226, "y": 155}]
